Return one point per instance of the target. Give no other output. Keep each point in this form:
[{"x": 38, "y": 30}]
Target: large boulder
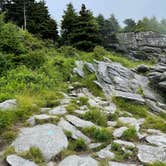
[{"x": 50, "y": 139}]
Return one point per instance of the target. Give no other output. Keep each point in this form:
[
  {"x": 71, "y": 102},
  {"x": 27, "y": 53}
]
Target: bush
[
  {"x": 11, "y": 39},
  {"x": 68, "y": 51},
  {"x": 96, "y": 116},
  {"x": 99, "y": 52},
  {"x": 98, "y": 134}
]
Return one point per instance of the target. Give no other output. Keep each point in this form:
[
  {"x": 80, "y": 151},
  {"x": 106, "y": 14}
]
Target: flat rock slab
[
  {"x": 65, "y": 125},
  {"x": 50, "y": 139},
  {"x": 60, "y": 110},
  {"x": 131, "y": 121},
  {"x": 43, "y": 117},
  {"x": 15, "y": 160},
  {"x": 111, "y": 163},
  {"x": 78, "y": 161},
  {"x": 119, "y": 132},
  {"x": 159, "y": 140},
  {"x": 79, "y": 122},
  {"x": 8, "y": 104},
  {"x": 124, "y": 143},
  {"x": 150, "y": 154},
  {"x": 129, "y": 96},
  {"x": 94, "y": 145},
  {"x": 106, "y": 153}
]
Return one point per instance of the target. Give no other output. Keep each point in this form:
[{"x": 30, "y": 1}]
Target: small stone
[
  {"x": 78, "y": 161},
  {"x": 94, "y": 145},
  {"x": 60, "y": 110},
  {"x": 14, "y": 160},
  {"x": 106, "y": 153},
  {"x": 124, "y": 143},
  {"x": 111, "y": 123},
  {"x": 119, "y": 132},
  {"x": 111, "y": 163},
  {"x": 79, "y": 122}
]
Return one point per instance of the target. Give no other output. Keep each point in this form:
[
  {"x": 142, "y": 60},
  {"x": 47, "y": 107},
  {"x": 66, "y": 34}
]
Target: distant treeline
[{"x": 82, "y": 30}]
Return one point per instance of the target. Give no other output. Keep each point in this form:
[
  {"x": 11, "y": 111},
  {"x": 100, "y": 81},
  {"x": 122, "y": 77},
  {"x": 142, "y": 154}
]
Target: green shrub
[
  {"x": 96, "y": 116},
  {"x": 68, "y": 51},
  {"x": 130, "y": 134},
  {"x": 98, "y": 134},
  {"x": 11, "y": 39},
  {"x": 99, "y": 52}
]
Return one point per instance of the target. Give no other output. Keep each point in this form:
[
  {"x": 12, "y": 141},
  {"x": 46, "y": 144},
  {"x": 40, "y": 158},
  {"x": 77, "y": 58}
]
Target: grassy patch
[
  {"x": 99, "y": 134},
  {"x": 138, "y": 110},
  {"x": 97, "y": 116},
  {"x": 154, "y": 122},
  {"x": 8, "y": 136},
  {"x": 158, "y": 163},
  {"x": 33, "y": 154},
  {"x": 130, "y": 134},
  {"x": 71, "y": 107},
  {"x": 123, "y": 153}
]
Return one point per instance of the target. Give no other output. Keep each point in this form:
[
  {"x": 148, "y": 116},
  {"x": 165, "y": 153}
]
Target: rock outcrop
[{"x": 142, "y": 45}]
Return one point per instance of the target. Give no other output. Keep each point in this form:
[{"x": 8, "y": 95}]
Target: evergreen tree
[
  {"x": 130, "y": 25},
  {"x": 33, "y": 16},
  {"x": 85, "y": 34},
  {"x": 67, "y": 24},
  {"x": 108, "y": 29}
]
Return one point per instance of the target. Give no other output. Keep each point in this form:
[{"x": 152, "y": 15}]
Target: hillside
[{"x": 62, "y": 106}]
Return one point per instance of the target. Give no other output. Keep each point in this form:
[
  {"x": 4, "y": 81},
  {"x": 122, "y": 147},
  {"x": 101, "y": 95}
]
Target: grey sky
[{"x": 122, "y": 9}]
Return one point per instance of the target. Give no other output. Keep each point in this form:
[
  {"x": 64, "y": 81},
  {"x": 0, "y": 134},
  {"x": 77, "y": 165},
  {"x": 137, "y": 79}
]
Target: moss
[
  {"x": 99, "y": 134},
  {"x": 97, "y": 116}
]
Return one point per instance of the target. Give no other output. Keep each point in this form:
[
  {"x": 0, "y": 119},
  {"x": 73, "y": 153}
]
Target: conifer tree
[
  {"x": 67, "y": 24},
  {"x": 85, "y": 34},
  {"x": 33, "y": 16}
]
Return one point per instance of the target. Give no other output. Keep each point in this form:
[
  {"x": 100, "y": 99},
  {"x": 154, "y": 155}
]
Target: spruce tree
[
  {"x": 67, "y": 24},
  {"x": 85, "y": 34}
]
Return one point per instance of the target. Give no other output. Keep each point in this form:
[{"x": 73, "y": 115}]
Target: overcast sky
[{"x": 122, "y": 9}]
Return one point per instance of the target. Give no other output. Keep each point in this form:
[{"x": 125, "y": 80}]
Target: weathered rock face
[{"x": 142, "y": 45}]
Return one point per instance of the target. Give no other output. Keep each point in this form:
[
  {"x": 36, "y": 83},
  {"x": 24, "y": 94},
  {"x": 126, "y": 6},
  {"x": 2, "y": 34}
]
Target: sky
[{"x": 122, "y": 9}]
